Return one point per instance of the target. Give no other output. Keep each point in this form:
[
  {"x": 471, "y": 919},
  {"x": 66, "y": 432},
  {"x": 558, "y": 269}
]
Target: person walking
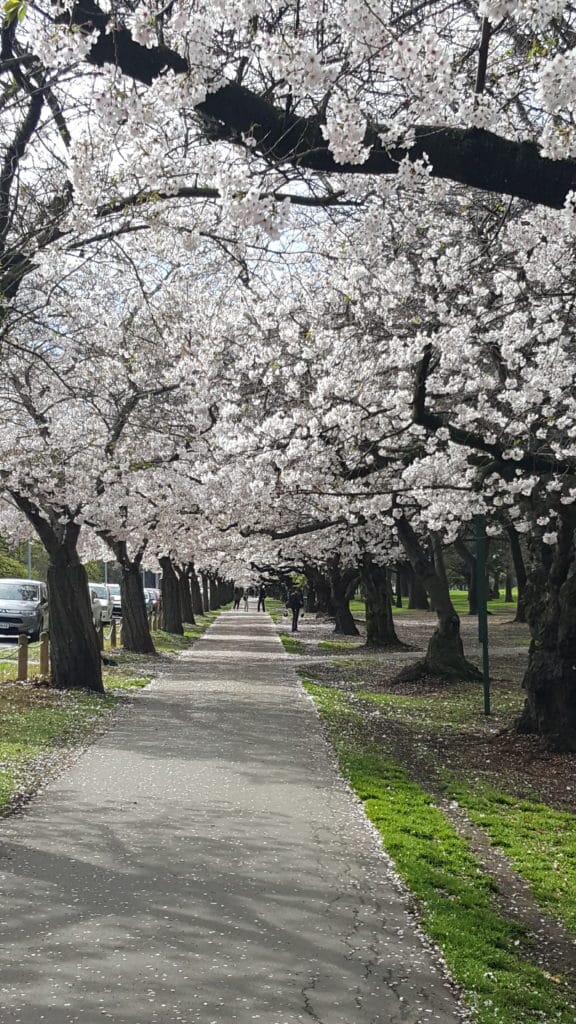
[
  {"x": 261, "y": 598},
  {"x": 246, "y": 602},
  {"x": 238, "y": 592},
  {"x": 295, "y": 604}
]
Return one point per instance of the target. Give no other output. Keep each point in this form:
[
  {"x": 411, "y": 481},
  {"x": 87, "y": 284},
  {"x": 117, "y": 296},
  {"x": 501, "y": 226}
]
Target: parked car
[
  {"x": 23, "y": 607},
  {"x": 96, "y": 609},
  {"x": 152, "y": 598},
  {"x": 104, "y": 598},
  {"x": 114, "y": 589}
]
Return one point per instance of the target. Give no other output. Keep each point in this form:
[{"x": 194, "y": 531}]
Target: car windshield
[
  {"x": 114, "y": 588},
  {"x": 18, "y": 592},
  {"x": 100, "y": 592}
]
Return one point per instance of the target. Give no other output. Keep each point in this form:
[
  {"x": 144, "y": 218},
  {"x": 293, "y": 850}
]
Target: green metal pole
[{"x": 480, "y": 534}]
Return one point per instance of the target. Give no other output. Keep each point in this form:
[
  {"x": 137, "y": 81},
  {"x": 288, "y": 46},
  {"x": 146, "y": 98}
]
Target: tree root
[{"x": 462, "y": 671}]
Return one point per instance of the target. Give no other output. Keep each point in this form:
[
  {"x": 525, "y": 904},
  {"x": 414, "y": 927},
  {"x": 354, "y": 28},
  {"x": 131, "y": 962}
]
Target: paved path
[{"x": 203, "y": 863}]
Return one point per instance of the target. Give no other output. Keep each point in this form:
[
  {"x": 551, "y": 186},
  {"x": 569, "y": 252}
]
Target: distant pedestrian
[
  {"x": 261, "y": 598},
  {"x": 295, "y": 604},
  {"x": 238, "y": 594},
  {"x": 246, "y": 602}
]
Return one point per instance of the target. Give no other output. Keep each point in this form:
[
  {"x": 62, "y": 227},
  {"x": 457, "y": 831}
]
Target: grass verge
[
  {"x": 36, "y": 721},
  {"x": 172, "y": 643},
  {"x": 539, "y": 841},
  {"x": 291, "y": 645},
  {"x": 487, "y": 954}
]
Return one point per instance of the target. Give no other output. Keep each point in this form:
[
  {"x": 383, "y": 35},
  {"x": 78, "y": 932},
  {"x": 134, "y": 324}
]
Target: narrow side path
[{"x": 202, "y": 863}]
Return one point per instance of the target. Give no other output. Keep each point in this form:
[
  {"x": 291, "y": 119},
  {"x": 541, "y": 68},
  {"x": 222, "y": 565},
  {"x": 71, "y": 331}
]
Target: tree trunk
[
  {"x": 508, "y": 596},
  {"x": 74, "y": 649},
  {"x": 495, "y": 588},
  {"x": 398, "y": 590},
  {"x": 197, "y": 605},
  {"x": 340, "y": 599},
  {"x": 471, "y": 572},
  {"x": 380, "y": 631},
  {"x": 323, "y": 599},
  {"x": 519, "y": 572},
  {"x": 205, "y": 592},
  {"x": 186, "y": 608},
  {"x": 311, "y": 603},
  {"x": 550, "y": 679},
  {"x": 417, "y": 596},
  {"x": 171, "y": 610},
  {"x": 136, "y": 634},
  {"x": 214, "y": 599},
  {"x": 445, "y": 655}
]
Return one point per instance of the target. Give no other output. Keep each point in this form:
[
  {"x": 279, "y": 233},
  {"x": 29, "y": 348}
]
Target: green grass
[
  {"x": 122, "y": 682},
  {"x": 486, "y": 953},
  {"x": 291, "y": 644},
  {"x": 172, "y": 643},
  {"x": 456, "y": 708},
  {"x": 34, "y": 721},
  {"x": 275, "y": 609},
  {"x": 539, "y": 841},
  {"x": 338, "y": 645},
  {"x": 459, "y": 600}
]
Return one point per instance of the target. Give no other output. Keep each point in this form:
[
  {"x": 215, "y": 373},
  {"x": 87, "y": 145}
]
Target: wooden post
[
  {"x": 121, "y": 632},
  {"x": 22, "y": 658},
  {"x": 44, "y": 655},
  {"x": 101, "y": 636},
  {"x": 113, "y": 638}
]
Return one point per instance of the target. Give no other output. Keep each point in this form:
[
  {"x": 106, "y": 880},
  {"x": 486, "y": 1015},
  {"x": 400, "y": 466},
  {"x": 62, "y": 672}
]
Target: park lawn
[
  {"x": 459, "y": 600},
  {"x": 455, "y": 708},
  {"x": 486, "y": 953},
  {"x": 339, "y": 645}
]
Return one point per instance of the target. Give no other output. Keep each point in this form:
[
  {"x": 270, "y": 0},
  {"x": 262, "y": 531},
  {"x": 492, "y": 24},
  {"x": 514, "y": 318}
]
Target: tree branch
[{"x": 472, "y": 156}]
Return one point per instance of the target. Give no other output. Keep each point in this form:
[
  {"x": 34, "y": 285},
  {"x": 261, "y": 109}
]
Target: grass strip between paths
[
  {"x": 486, "y": 953},
  {"x": 291, "y": 645}
]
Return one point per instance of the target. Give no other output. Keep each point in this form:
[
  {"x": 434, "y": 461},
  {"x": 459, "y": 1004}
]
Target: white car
[
  {"x": 96, "y": 610},
  {"x": 104, "y": 598},
  {"x": 23, "y": 607},
  {"x": 114, "y": 589}
]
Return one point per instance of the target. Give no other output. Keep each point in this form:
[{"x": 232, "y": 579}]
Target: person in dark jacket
[
  {"x": 238, "y": 595},
  {"x": 261, "y": 598},
  {"x": 295, "y": 603}
]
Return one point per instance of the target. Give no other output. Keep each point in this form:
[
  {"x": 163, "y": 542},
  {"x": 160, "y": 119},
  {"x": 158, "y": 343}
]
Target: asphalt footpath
[{"x": 203, "y": 863}]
